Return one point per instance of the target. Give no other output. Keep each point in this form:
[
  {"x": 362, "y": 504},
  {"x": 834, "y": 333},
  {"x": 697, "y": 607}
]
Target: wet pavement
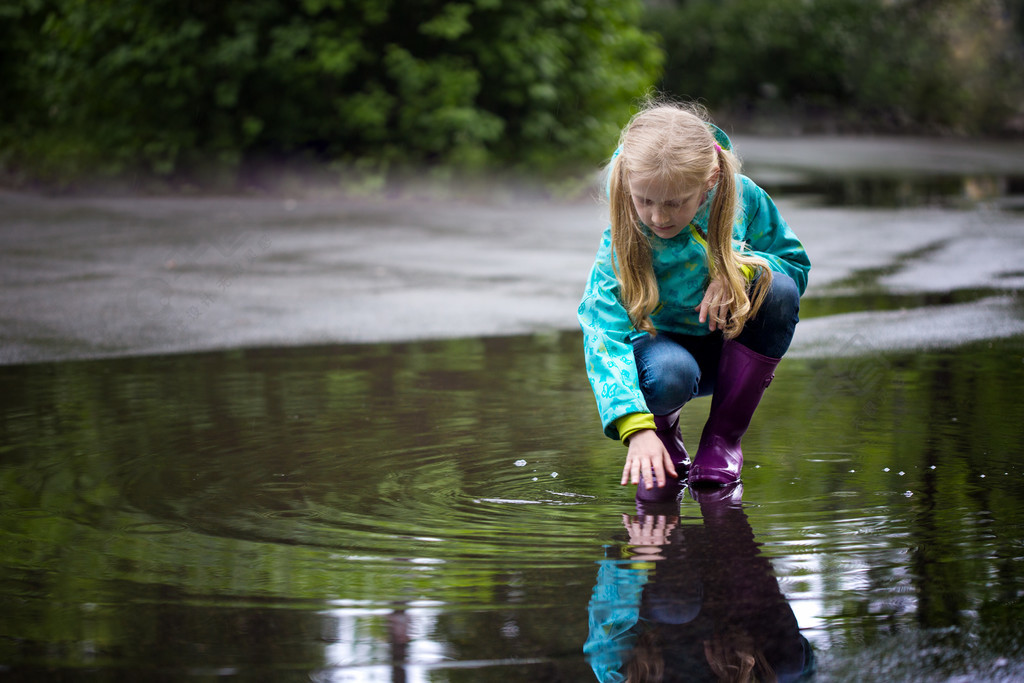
[{"x": 100, "y": 277}]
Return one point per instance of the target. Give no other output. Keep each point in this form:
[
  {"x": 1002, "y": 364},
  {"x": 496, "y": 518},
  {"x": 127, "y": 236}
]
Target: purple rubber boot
[
  {"x": 667, "y": 429},
  {"x": 743, "y": 375}
]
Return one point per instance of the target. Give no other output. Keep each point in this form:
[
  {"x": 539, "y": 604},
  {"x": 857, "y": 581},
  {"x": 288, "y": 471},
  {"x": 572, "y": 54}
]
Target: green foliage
[
  {"x": 164, "y": 85},
  {"x": 112, "y": 87},
  {"x": 948, "y": 66}
]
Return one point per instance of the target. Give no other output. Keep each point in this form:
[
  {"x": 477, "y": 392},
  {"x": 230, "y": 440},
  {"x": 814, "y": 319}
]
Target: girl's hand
[
  {"x": 647, "y": 533},
  {"x": 647, "y": 461},
  {"x": 714, "y": 308}
]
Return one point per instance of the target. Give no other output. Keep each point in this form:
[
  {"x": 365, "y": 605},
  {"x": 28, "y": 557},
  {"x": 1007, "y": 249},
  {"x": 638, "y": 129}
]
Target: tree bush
[
  {"x": 943, "y": 66},
  {"x": 110, "y": 86}
]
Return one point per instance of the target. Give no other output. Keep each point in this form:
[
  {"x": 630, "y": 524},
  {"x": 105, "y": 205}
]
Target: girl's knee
[
  {"x": 783, "y": 299},
  {"x": 670, "y": 385},
  {"x": 771, "y": 330}
]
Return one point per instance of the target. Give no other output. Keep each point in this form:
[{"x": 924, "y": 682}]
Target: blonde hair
[
  {"x": 734, "y": 658},
  {"x": 647, "y": 662},
  {"x": 674, "y": 143}
]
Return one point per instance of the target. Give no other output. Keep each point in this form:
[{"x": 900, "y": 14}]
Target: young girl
[{"x": 695, "y": 289}]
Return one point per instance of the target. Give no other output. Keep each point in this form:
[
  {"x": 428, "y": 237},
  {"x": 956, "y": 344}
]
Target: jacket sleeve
[
  {"x": 607, "y": 344},
  {"x": 614, "y": 613},
  {"x": 767, "y": 234}
]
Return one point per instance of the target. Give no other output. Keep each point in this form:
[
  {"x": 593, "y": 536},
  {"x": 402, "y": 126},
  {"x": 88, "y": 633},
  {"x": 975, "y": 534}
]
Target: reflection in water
[
  {"x": 429, "y": 512},
  {"x": 954, "y": 190},
  {"x": 693, "y": 602},
  {"x": 380, "y": 644}
]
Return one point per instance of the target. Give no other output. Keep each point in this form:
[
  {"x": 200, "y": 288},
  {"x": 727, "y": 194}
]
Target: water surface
[{"x": 442, "y": 511}]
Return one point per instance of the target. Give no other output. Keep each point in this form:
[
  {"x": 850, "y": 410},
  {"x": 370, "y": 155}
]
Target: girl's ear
[{"x": 713, "y": 180}]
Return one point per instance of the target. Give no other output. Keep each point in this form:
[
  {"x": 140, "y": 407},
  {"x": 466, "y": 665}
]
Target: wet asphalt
[{"x": 102, "y": 276}]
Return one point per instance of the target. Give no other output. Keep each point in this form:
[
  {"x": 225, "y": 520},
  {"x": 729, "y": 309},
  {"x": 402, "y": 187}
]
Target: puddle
[
  {"x": 882, "y": 300},
  {"x": 881, "y": 191},
  {"x": 390, "y": 512}
]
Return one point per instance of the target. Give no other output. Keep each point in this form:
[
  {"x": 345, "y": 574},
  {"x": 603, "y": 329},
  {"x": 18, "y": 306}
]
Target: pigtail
[
  {"x": 631, "y": 253},
  {"x": 727, "y": 262}
]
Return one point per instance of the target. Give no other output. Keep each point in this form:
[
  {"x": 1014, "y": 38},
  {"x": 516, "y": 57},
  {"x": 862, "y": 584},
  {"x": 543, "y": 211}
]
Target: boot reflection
[{"x": 691, "y": 601}]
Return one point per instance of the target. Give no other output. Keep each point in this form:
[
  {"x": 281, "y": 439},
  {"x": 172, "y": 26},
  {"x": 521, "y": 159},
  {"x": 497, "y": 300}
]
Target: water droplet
[
  {"x": 520, "y": 463},
  {"x": 932, "y": 467},
  {"x": 535, "y": 478},
  {"x": 554, "y": 474},
  {"x": 885, "y": 469},
  {"x": 908, "y": 494},
  {"x": 852, "y": 471},
  {"x": 983, "y": 476},
  {"x": 902, "y": 473}
]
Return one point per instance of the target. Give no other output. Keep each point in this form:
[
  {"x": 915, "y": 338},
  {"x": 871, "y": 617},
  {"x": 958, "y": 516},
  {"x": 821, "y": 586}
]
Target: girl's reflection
[{"x": 693, "y": 602}]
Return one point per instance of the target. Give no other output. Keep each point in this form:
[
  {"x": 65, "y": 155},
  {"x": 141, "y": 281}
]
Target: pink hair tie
[{"x": 718, "y": 148}]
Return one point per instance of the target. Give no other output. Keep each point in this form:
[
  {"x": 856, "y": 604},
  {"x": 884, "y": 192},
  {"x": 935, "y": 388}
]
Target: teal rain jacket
[{"x": 681, "y": 268}]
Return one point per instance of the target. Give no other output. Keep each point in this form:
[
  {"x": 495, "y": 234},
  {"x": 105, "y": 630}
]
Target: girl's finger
[
  {"x": 671, "y": 468},
  {"x": 659, "y": 474},
  {"x": 627, "y": 472},
  {"x": 718, "y": 319}
]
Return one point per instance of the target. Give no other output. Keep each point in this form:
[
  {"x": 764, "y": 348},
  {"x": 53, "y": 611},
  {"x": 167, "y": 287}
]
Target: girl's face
[{"x": 667, "y": 208}]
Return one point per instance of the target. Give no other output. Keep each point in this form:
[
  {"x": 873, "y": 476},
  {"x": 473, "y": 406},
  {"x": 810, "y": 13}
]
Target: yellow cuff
[{"x": 632, "y": 423}]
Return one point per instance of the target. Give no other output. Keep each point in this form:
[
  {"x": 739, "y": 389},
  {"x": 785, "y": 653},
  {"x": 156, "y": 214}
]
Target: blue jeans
[{"x": 673, "y": 368}]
